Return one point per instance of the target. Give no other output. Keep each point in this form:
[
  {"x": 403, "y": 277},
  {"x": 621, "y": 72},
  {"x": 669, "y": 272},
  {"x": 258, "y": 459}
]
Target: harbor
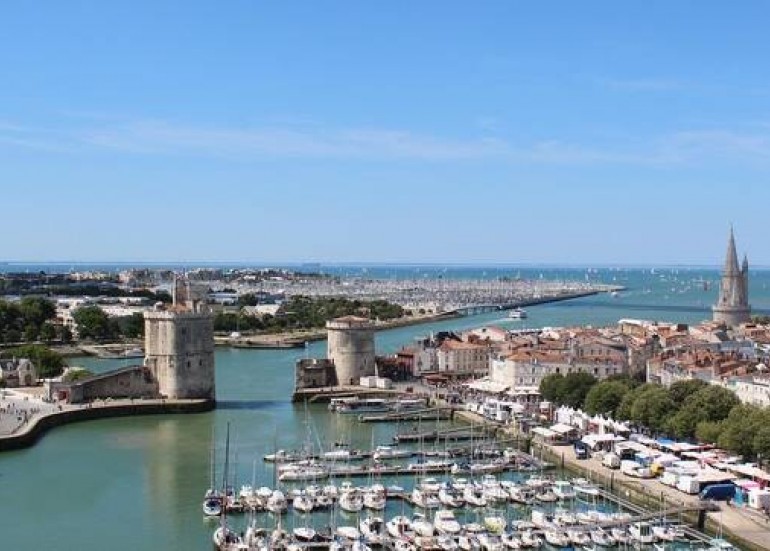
[
  {"x": 501, "y": 498},
  {"x": 151, "y": 471}
]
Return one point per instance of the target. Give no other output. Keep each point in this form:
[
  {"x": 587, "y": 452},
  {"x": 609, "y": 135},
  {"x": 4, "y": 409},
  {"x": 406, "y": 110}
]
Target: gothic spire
[{"x": 731, "y": 258}]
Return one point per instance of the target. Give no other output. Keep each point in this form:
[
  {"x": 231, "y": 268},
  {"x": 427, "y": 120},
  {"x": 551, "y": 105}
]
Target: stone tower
[
  {"x": 179, "y": 345},
  {"x": 732, "y": 307},
  {"x": 351, "y": 348}
]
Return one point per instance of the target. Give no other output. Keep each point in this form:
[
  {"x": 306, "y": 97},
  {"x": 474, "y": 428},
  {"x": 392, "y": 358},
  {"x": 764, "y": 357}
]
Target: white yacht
[
  {"x": 424, "y": 500},
  {"x": 450, "y": 496},
  {"x": 399, "y": 527},
  {"x": 517, "y": 314},
  {"x": 446, "y": 523},
  {"x": 389, "y": 452}
]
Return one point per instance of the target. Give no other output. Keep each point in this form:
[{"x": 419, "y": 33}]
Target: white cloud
[{"x": 315, "y": 141}]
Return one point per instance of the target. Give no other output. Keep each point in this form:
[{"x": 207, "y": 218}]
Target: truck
[{"x": 718, "y": 492}]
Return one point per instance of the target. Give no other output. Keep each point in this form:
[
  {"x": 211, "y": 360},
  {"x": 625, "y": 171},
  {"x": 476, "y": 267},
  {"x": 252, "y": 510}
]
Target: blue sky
[{"x": 431, "y": 131}]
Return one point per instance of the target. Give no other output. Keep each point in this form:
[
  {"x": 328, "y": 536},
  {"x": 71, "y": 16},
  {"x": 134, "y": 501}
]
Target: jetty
[{"x": 427, "y": 414}]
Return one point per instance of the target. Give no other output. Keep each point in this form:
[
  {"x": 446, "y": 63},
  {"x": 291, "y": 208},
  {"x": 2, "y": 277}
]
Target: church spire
[
  {"x": 732, "y": 307},
  {"x": 731, "y": 258}
]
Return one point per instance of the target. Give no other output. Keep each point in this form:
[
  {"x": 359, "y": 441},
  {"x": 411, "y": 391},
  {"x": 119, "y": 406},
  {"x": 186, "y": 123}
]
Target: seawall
[{"x": 33, "y": 431}]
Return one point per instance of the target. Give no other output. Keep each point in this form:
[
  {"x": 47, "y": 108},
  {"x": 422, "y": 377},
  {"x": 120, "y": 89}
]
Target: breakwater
[{"x": 38, "y": 426}]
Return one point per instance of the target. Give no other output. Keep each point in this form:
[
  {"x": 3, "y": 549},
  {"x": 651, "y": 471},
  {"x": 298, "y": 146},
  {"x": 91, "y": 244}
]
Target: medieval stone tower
[
  {"x": 732, "y": 307},
  {"x": 179, "y": 345},
  {"x": 351, "y": 348}
]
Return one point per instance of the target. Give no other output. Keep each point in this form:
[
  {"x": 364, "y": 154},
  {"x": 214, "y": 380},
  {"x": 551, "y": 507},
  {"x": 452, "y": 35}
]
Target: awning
[
  {"x": 485, "y": 385},
  {"x": 561, "y": 428},
  {"x": 544, "y": 432}
]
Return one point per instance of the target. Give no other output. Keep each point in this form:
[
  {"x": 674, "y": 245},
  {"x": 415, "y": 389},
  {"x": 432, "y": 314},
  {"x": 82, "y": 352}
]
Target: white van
[{"x": 611, "y": 461}]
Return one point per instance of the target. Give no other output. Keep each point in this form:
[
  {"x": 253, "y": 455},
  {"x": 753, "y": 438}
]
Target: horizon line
[{"x": 309, "y": 263}]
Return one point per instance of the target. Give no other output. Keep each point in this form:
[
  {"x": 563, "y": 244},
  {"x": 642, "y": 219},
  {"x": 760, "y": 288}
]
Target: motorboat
[
  {"x": 521, "y": 494},
  {"x": 446, "y": 523},
  {"x": 510, "y": 540},
  {"x": 296, "y": 473},
  {"x": 374, "y": 500},
  {"x": 641, "y": 532},
  {"x": 474, "y": 496},
  {"x": 304, "y": 533},
  {"x": 422, "y": 526},
  {"x": 490, "y": 542},
  {"x": 445, "y": 542},
  {"x": 350, "y": 533},
  {"x": 620, "y": 535},
  {"x": 372, "y": 530},
  {"x": 584, "y": 489},
  {"x": 424, "y": 500},
  {"x": 518, "y": 314},
  {"x": 351, "y": 501},
  {"x": 495, "y": 524},
  {"x": 450, "y": 496},
  {"x": 579, "y": 538},
  {"x": 556, "y": 538},
  {"x": 546, "y": 496},
  {"x": 563, "y": 490},
  {"x": 430, "y": 484},
  {"x": 400, "y": 527},
  {"x": 389, "y": 452},
  {"x": 602, "y": 538},
  {"x": 668, "y": 532},
  {"x": 303, "y": 503},
  {"x": 530, "y": 539},
  {"x": 276, "y": 503}
]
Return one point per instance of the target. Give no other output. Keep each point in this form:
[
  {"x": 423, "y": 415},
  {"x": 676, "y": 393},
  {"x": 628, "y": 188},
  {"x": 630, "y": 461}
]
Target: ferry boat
[
  {"x": 517, "y": 314},
  {"x": 364, "y": 405}
]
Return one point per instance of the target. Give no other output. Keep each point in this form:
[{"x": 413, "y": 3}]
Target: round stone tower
[{"x": 351, "y": 348}]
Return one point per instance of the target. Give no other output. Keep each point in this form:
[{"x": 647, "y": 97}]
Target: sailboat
[{"x": 223, "y": 536}]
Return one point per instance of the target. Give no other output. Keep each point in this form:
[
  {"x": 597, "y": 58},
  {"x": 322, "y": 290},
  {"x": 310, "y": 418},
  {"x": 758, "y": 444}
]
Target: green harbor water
[{"x": 137, "y": 483}]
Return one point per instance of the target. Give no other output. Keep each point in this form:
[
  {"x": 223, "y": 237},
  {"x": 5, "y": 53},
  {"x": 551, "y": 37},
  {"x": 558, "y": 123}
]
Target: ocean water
[{"x": 137, "y": 483}]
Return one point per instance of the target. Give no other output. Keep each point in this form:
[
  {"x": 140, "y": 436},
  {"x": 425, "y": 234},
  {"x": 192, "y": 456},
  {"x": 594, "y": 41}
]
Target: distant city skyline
[{"x": 449, "y": 133}]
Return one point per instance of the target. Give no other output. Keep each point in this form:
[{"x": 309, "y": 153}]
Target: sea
[{"x": 138, "y": 483}]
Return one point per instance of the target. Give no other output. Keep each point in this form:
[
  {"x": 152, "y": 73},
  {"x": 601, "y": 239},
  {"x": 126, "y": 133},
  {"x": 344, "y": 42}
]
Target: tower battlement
[{"x": 179, "y": 346}]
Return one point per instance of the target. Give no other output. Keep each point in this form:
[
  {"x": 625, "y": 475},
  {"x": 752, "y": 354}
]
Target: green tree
[
  {"x": 92, "y": 323},
  {"x": 576, "y": 388},
  {"x": 30, "y": 333},
  {"x": 711, "y": 403},
  {"x": 66, "y": 335},
  {"x": 709, "y": 431},
  {"x": 652, "y": 408},
  {"x": 552, "y": 388},
  {"x": 682, "y": 390},
  {"x": 739, "y": 429},
  {"x": 36, "y": 310},
  {"x": 76, "y": 375},
  {"x": 48, "y": 363},
  {"x": 761, "y": 442},
  {"x": 605, "y": 397},
  {"x": 47, "y": 332}
]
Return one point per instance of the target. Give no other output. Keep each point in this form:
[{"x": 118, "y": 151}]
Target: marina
[{"x": 151, "y": 471}]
